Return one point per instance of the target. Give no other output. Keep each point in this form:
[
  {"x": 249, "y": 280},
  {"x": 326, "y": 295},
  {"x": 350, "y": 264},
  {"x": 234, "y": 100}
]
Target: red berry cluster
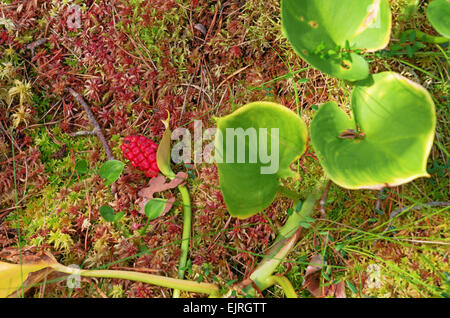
[{"x": 141, "y": 152}]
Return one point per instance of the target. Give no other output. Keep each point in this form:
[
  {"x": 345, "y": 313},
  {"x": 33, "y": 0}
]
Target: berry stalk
[{"x": 186, "y": 237}]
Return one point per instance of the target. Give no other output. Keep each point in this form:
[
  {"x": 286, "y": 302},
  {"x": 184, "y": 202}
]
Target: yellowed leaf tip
[{"x": 166, "y": 122}]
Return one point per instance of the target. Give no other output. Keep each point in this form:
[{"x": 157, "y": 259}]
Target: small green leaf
[
  {"x": 347, "y": 45},
  {"x": 396, "y": 47},
  {"x": 310, "y": 219},
  {"x": 154, "y": 208},
  {"x": 412, "y": 36},
  {"x": 118, "y": 216},
  {"x": 111, "y": 171},
  {"x": 305, "y": 225},
  {"x": 107, "y": 213},
  {"x": 403, "y": 37},
  {"x": 351, "y": 287},
  {"x": 339, "y": 247},
  {"x": 81, "y": 167},
  {"x": 230, "y": 282},
  {"x": 298, "y": 207},
  {"x": 325, "y": 276},
  {"x": 410, "y": 51}
]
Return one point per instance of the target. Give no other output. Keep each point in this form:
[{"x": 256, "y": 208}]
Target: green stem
[
  {"x": 285, "y": 284},
  {"x": 418, "y": 69},
  {"x": 186, "y": 235},
  {"x": 423, "y": 37},
  {"x": 178, "y": 284},
  {"x": 262, "y": 276},
  {"x": 286, "y": 240}
]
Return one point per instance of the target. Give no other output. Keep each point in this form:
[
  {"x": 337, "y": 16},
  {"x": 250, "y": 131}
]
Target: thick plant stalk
[
  {"x": 163, "y": 160},
  {"x": 421, "y": 36},
  {"x": 286, "y": 240},
  {"x": 323, "y": 200},
  {"x": 179, "y": 284},
  {"x": 262, "y": 276},
  {"x": 285, "y": 284},
  {"x": 186, "y": 237}
]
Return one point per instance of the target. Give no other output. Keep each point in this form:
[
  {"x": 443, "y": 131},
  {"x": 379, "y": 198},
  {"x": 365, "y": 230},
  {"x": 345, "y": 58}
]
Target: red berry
[{"x": 141, "y": 152}]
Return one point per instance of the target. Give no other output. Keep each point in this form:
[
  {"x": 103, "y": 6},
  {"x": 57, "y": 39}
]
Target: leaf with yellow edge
[
  {"x": 163, "y": 152},
  {"x": 13, "y": 276}
]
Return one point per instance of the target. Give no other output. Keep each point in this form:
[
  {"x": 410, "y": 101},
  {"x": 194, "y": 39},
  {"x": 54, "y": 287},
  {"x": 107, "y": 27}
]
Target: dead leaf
[
  {"x": 200, "y": 27},
  {"x": 33, "y": 280},
  {"x": 312, "y": 280},
  {"x": 15, "y": 278},
  {"x": 312, "y": 275},
  {"x": 168, "y": 206},
  {"x": 158, "y": 184},
  {"x": 340, "y": 290}
]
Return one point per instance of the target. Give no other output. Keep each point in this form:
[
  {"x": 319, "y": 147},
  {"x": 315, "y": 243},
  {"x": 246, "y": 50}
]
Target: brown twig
[
  {"x": 32, "y": 46},
  {"x": 378, "y": 203},
  {"x": 83, "y": 133},
  {"x": 234, "y": 74},
  {"x": 414, "y": 208},
  {"x": 97, "y": 130},
  {"x": 323, "y": 200},
  {"x": 90, "y": 213}
]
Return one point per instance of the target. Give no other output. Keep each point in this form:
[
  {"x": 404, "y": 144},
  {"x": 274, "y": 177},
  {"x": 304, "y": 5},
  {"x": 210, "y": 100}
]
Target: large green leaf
[
  {"x": 438, "y": 12},
  {"x": 250, "y": 186},
  {"x": 397, "y": 117},
  {"x": 325, "y": 32}
]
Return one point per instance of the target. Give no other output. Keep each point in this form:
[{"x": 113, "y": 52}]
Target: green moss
[{"x": 61, "y": 241}]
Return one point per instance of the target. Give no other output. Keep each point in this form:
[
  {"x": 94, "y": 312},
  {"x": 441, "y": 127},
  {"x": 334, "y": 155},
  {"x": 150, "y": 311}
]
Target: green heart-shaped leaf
[
  {"x": 108, "y": 215},
  {"x": 326, "y": 32},
  {"x": 111, "y": 170},
  {"x": 396, "y": 121},
  {"x": 118, "y": 216},
  {"x": 81, "y": 166},
  {"x": 438, "y": 13},
  {"x": 272, "y": 138},
  {"x": 154, "y": 208}
]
